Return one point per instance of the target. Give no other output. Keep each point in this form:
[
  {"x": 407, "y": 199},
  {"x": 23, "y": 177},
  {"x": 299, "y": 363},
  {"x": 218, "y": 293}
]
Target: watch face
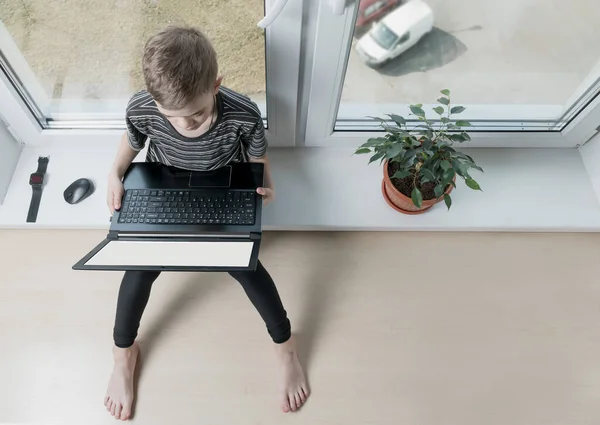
[{"x": 36, "y": 178}]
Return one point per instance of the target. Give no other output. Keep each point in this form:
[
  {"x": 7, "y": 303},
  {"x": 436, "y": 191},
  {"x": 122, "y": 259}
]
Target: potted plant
[{"x": 420, "y": 164}]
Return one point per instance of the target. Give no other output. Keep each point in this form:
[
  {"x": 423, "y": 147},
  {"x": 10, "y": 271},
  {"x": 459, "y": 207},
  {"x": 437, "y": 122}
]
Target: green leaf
[
  {"x": 448, "y": 200},
  {"x": 457, "y": 109},
  {"x": 445, "y": 92},
  {"x": 457, "y": 167},
  {"x": 401, "y": 174},
  {"x": 462, "y": 170},
  {"x": 472, "y": 184},
  {"x": 417, "y": 110},
  {"x": 465, "y": 135},
  {"x": 376, "y": 157},
  {"x": 457, "y": 138},
  {"x": 445, "y": 120},
  {"x": 444, "y": 101},
  {"x": 449, "y": 175},
  {"x": 462, "y": 124},
  {"x": 438, "y": 190},
  {"x": 428, "y": 174},
  {"x": 445, "y": 165},
  {"x": 394, "y": 151},
  {"x": 362, "y": 151},
  {"x": 398, "y": 119},
  {"x": 464, "y": 155},
  {"x": 417, "y": 197},
  {"x": 439, "y": 110},
  {"x": 410, "y": 154},
  {"x": 419, "y": 105},
  {"x": 375, "y": 141}
]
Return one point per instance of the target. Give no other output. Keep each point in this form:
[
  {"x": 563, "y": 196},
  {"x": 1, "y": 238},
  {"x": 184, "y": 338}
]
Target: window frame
[
  {"x": 303, "y": 56},
  {"x": 330, "y": 52},
  {"x": 282, "y": 67}
]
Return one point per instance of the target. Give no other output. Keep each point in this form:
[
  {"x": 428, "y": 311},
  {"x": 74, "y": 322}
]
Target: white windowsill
[{"x": 330, "y": 189}]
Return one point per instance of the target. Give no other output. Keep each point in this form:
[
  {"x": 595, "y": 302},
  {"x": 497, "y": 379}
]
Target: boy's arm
[
  {"x": 124, "y": 158},
  {"x": 256, "y": 149},
  {"x": 268, "y": 191}
]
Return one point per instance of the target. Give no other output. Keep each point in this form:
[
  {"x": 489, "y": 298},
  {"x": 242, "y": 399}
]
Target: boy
[{"x": 191, "y": 122}]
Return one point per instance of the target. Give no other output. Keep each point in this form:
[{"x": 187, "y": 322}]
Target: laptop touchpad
[{"x": 215, "y": 178}]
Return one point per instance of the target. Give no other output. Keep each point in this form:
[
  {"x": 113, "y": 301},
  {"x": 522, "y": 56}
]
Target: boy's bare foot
[
  {"x": 119, "y": 396},
  {"x": 294, "y": 390}
]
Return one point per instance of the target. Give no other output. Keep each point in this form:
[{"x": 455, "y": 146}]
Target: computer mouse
[{"x": 78, "y": 191}]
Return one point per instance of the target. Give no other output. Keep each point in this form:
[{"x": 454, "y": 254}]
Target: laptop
[{"x": 178, "y": 220}]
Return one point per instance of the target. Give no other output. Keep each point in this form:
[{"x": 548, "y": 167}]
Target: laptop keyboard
[{"x": 232, "y": 207}]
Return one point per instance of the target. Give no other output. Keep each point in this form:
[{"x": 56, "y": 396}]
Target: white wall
[
  {"x": 590, "y": 153},
  {"x": 10, "y": 151}
]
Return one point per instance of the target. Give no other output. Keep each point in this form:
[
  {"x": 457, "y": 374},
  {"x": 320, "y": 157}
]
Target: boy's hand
[
  {"x": 115, "y": 192},
  {"x": 267, "y": 194}
]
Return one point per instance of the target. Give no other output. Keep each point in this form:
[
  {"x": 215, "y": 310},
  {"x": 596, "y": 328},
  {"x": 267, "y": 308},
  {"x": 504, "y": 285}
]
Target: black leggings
[{"x": 259, "y": 286}]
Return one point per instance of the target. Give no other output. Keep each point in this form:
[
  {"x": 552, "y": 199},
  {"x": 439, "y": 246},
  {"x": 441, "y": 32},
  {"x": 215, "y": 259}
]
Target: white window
[
  {"x": 75, "y": 68},
  {"x": 528, "y": 73}
]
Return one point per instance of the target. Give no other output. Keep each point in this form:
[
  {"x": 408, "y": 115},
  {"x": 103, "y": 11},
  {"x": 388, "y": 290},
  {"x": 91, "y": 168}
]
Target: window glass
[
  {"x": 82, "y": 59},
  {"x": 383, "y": 36},
  {"x": 515, "y": 65},
  {"x": 404, "y": 38}
]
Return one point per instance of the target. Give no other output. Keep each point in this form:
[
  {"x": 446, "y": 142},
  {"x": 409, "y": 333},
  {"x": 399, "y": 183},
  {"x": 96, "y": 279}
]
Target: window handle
[
  {"x": 338, "y": 6},
  {"x": 272, "y": 14}
]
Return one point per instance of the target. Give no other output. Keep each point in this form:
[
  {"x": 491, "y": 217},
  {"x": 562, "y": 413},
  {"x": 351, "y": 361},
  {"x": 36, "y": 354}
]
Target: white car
[{"x": 396, "y": 33}]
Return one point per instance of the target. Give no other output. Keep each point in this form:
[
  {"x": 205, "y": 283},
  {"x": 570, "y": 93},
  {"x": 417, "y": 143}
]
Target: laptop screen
[{"x": 129, "y": 253}]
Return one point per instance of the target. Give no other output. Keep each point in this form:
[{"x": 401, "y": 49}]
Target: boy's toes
[
  {"x": 298, "y": 400},
  {"x": 305, "y": 392},
  {"x": 293, "y": 402},
  {"x": 118, "y": 412},
  {"x": 125, "y": 414},
  {"x": 285, "y": 404}
]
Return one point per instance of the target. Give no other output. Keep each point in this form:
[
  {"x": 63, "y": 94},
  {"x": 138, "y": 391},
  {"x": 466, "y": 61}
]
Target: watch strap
[
  {"x": 42, "y": 164},
  {"x": 34, "y": 206},
  {"x": 36, "y": 196}
]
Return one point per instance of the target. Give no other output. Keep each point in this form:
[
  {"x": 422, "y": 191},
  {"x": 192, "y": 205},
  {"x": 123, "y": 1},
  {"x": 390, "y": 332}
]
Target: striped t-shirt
[{"x": 237, "y": 133}]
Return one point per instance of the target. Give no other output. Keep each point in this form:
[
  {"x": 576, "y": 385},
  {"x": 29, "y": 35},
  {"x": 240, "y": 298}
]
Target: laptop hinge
[{"x": 184, "y": 235}]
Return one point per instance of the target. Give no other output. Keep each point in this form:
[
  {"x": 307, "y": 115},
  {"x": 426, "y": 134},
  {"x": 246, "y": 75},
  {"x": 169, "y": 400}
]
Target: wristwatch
[{"x": 36, "y": 181}]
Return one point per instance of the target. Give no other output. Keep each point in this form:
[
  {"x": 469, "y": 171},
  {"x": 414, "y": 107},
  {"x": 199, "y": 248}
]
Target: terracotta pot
[{"x": 402, "y": 203}]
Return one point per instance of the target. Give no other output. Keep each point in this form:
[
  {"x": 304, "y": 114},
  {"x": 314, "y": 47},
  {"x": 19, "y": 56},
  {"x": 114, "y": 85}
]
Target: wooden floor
[{"x": 397, "y": 328}]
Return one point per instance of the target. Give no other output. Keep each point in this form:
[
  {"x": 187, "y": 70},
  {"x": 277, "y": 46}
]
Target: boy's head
[{"x": 181, "y": 74}]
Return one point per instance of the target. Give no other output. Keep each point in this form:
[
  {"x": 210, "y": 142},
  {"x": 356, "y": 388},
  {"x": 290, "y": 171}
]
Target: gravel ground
[{"x": 529, "y": 52}]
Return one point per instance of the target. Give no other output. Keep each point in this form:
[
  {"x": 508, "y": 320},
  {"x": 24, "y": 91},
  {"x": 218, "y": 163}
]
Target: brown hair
[{"x": 179, "y": 64}]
